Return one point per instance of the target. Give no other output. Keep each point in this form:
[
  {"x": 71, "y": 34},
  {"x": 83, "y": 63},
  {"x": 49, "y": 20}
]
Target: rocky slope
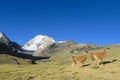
[{"x": 6, "y": 46}]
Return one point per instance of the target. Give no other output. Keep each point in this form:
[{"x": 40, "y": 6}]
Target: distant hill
[
  {"x": 69, "y": 46},
  {"x": 46, "y": 46}
]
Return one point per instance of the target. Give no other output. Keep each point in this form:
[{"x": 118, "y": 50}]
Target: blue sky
[{"x": 84, "y": 21}]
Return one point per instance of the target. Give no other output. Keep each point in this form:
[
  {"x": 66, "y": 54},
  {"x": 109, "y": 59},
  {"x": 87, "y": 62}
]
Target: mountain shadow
[{"x": 28, "y": 56}]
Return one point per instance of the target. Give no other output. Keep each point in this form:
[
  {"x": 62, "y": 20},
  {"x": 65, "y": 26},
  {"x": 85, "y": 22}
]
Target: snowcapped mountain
[{"x": 38, "y": 42}]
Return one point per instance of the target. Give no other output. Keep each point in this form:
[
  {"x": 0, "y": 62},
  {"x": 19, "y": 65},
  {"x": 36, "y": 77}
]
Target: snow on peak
[
  {"x": 1, "y": 34},
  {"x": 41, "y": 38},
  {"x": 61, "y": 41},
  {"x": 38, "y": 42}
]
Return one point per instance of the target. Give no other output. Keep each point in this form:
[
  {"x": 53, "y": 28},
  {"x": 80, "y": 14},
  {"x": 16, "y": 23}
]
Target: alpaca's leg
[
  {"x": 91, "y": 61},
  {"x": 102, "y": 62},
  {"x": 97, "y": 62},
  {"x": 81, "y": 65},
  {"x": 73, "y": 64}
]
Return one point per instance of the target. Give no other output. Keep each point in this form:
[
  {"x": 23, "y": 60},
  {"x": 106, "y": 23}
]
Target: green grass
[{"x": 58, "y": 67}]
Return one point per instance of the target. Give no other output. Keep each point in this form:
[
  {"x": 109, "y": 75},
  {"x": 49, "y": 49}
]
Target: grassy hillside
[
  {"x": 8, "y": 59},
  {"x": 58, "y": 67}
]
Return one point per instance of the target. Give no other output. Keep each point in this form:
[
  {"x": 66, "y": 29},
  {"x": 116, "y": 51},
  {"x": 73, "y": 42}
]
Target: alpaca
[
  {"x": 98, "y": 55},
  {"x": 79, "y": 59}
]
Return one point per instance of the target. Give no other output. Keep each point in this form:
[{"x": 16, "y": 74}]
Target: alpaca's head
[{"x": 107, "y": 49}]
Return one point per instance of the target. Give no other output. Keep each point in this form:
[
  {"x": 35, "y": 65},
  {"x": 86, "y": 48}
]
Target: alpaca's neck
[
  {"x": 84, "y": 55},
  {"x": 104, "y": 53}
]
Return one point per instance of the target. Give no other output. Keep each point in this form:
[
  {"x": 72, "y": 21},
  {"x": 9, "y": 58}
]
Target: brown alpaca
[
  {"x": 98, "y": 55},
  {"x": 79, "y": 59}
]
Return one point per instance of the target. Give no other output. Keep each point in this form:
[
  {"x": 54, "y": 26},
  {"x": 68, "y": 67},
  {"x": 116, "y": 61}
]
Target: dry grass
[{"x": 43, "y": 71}]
